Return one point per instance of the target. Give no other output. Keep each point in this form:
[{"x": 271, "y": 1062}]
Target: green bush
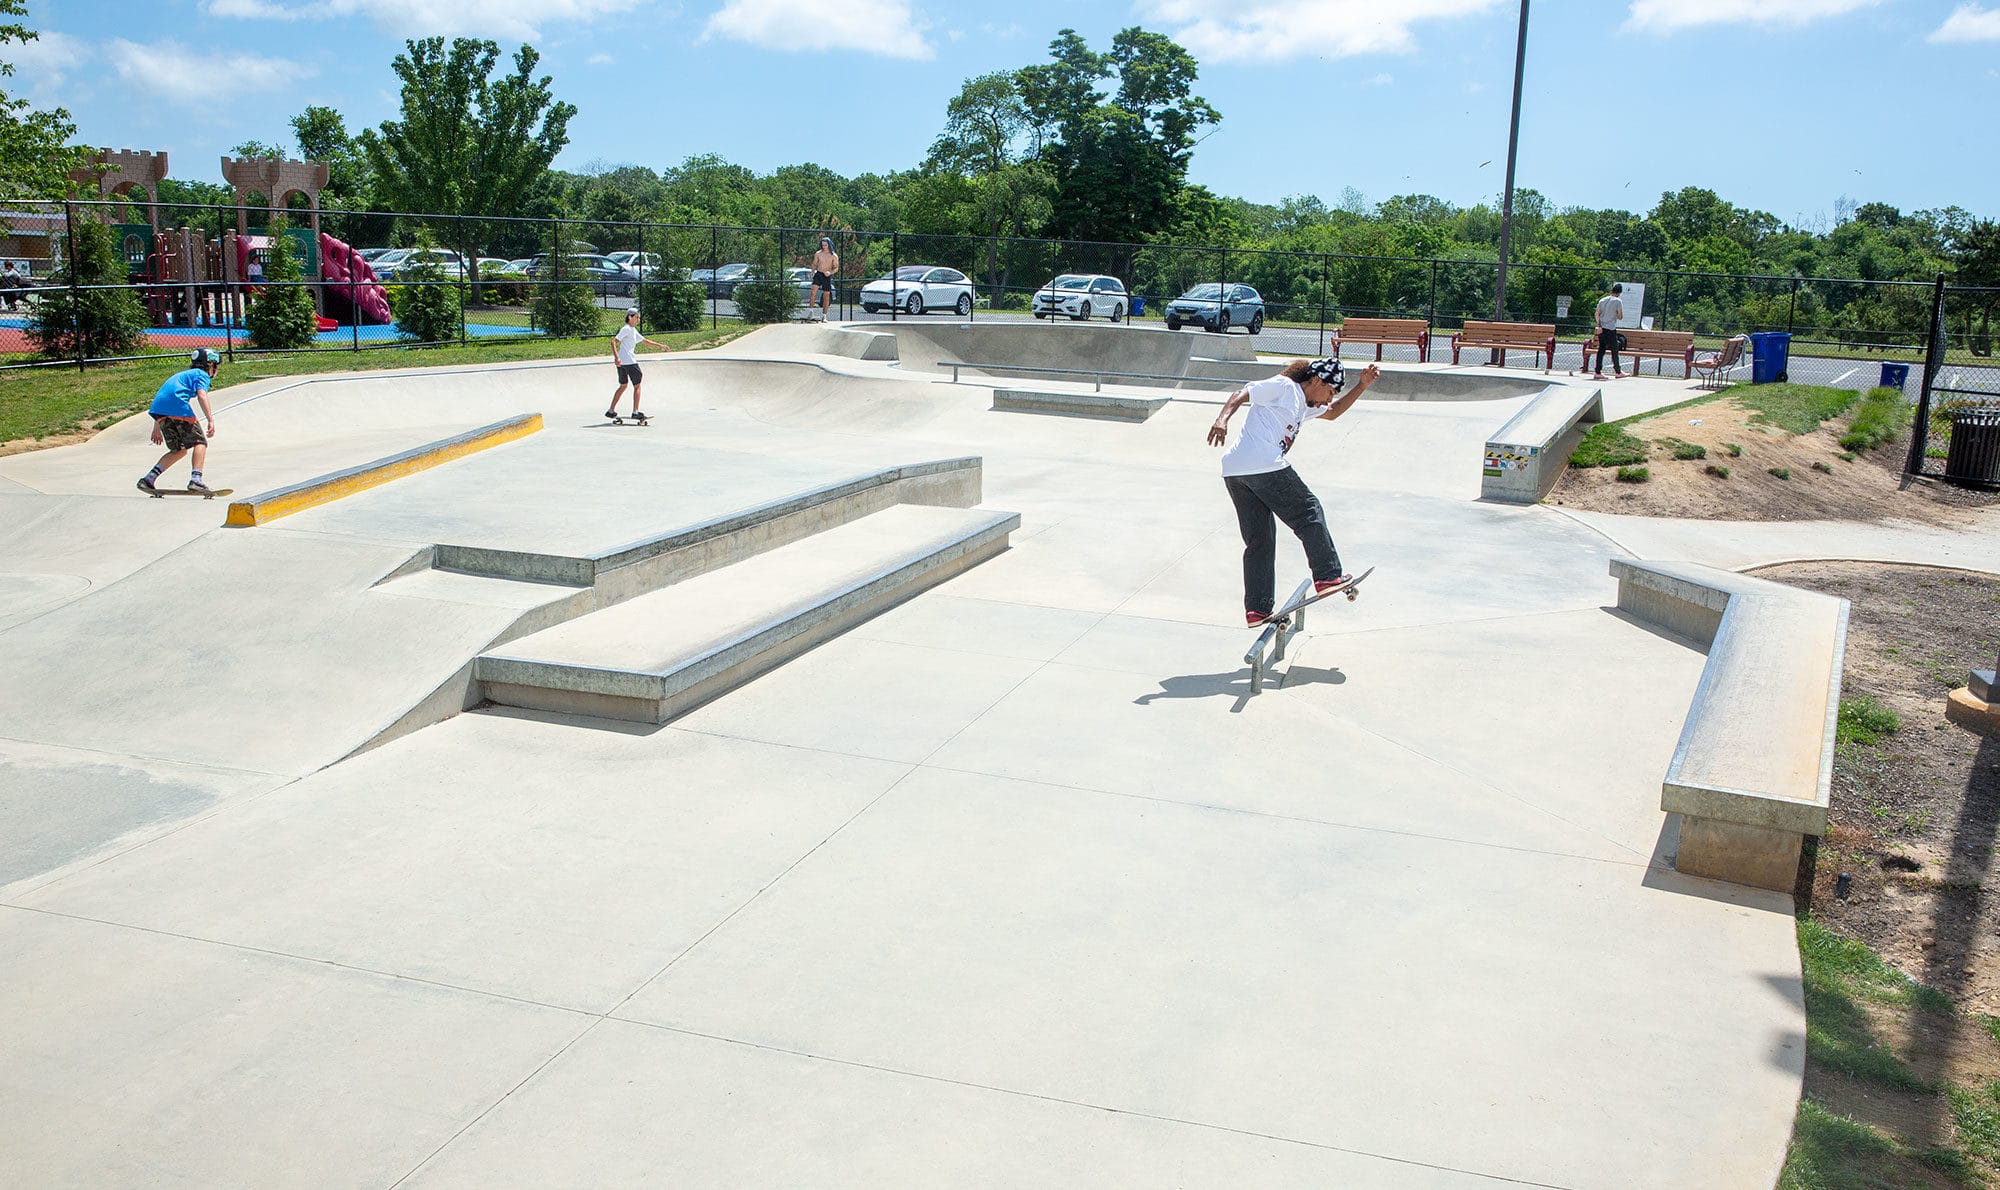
[
  {"x": 1883, "y": 417},
  {"x": 767, "y": 300},
  {"x": 427, "y": 305},
  {"x": 1826, "y": 467},
  {"x": 566, "y": 310},
  {"x": 1684, "y": 450},
  {"x": 1780, "y": 472},
  {"x": 669, "y": 307},
  {"x": 1862, "y": 720},
  {"x": 1735, "y": 451},
  {"x": 282, "y": 319},
  {"x": 1633, "y": 475},
  {"x": 1719, "y": 470},
  {"x": 94, "y": 323}
]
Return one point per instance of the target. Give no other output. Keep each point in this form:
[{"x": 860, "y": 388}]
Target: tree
[
  {"x": 322, "y": 136},
  {"x": 990, "y": 139},
  {"x": 283, "y": 318},
  {"x": 468, "y": 145},
  {"x": 257, "y": 148},
  {"x": 89, "y": 323},
  {"x": 427, "y": 302},
  {"x": 35, "y": 155}
]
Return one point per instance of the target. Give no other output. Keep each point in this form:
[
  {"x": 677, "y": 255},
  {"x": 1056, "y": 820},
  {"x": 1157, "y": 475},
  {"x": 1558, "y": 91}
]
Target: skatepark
[{"x": 845, "y": 781}]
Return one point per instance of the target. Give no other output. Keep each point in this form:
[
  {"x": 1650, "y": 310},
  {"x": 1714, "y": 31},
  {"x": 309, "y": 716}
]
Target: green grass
[
  {"x": 43, "y": 402},
  {"x": 1719, "y": 470},
  {"x": 1832, "y": 1152},
  {"x": 1842, "y": 974},
  {"x": 1684, "y": 450},
  {"x": 1735, "y": 451},
  {"x": 1779, "y": 472},
  {"x": 1607, "y": 445},
  {"x": 1883, "y": 417},
  {"x": 1793, "y": 408},
  {"x": 1634, "y": 475}
]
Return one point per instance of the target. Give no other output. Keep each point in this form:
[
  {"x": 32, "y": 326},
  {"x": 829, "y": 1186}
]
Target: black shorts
[
  {"x": 630, "y": 374},
  {"x": 822, "y": 281},
  {"x": 180, "y": 433}
]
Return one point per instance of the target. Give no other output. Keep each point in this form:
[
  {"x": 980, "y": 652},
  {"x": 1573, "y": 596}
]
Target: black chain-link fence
[{"x": 195, "y": 271}]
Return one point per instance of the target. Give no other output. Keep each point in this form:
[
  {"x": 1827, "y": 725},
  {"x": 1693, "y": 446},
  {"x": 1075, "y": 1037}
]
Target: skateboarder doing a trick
[
  {"x": 1264, "y": 487},
  {"x": 624, "y": 353},
  {"x": 174, "y": 425}
]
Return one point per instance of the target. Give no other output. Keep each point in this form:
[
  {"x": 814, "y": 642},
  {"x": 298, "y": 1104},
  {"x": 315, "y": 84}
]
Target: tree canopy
[{"x": 35, "y": 154}]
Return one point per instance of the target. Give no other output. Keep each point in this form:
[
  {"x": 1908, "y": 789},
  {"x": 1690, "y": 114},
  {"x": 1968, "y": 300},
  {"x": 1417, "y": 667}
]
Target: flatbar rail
[
  {"x": 1274, "y": 638},
  {"x": 1097, "y": 374}
]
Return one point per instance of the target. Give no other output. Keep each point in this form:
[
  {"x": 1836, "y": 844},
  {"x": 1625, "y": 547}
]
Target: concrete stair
[{"x": 656, "y": 656}]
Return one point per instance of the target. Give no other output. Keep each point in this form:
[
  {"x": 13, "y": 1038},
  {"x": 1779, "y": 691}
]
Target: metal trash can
[
  {"x": 1772, "y": 352},
  {"x": 1895, "y": 376},
  {"x": 1974, "y": 454}
]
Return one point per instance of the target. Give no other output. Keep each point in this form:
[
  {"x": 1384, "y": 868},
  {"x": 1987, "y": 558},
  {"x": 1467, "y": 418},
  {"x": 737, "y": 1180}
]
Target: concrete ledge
[
  {"x": 1525, "y": 457},
  {"x": 262, "y": 509},
  {"x": 1753, "y": 771},
  {"x": 1097, "y": 405},
  {"x": 948, "y": 483},
  {"x": 573, "y": 669}
]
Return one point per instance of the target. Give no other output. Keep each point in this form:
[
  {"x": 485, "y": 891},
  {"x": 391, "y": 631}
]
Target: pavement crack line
[{"x": 1088, "y": 1106}]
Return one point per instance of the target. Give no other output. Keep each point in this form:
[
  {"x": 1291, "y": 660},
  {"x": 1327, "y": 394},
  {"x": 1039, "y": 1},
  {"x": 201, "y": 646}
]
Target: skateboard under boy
[
  {"x": 162, "y": 493},
  {"x": 1283, "y": 623},
  {"x": 629, "y": 419}
]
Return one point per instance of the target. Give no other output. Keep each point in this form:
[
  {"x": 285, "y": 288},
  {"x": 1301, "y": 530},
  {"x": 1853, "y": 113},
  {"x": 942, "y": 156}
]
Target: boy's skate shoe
[
  {"x": 1332, "y": 585},
  {"x": 198, "y": 487},
  {"x": 1255, "y": 619},
  {"x": 641, "y": 418},
  {"x": 146, "y": 486},
  {"x": 610, "y": 415}
]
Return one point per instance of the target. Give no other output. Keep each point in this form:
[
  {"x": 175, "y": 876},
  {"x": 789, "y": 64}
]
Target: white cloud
[
  {"x": 1969, "y": 22},
  {"x": 1378, "y": 80},
  {"x": 1273, "y": 30},
  {"x": 1667, "y": 16},
  {"x": 46, "y": 61},
  {"x": 154, "y": 69},
  {"x": 599, "y": 59},
  {"x": 513, "y": 20},
  {"x": 890, "y": 28}
]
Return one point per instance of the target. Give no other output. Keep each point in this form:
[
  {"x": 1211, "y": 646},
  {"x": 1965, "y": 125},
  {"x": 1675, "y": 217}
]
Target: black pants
[
  {"x": 1261, "y": 501},
  {"x": 1607, "y": 340}
]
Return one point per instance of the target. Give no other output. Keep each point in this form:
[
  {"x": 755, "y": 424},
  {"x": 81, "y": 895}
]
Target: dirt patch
[
  {"x": 1822, "y": 485},
  {"x": 23, "y": 445},
  {"x": 1915, "y": 821}
]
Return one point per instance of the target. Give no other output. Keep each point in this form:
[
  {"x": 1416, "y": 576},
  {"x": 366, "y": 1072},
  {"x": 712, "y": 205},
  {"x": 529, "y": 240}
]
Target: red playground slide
[{"x": 338, "y": 264}]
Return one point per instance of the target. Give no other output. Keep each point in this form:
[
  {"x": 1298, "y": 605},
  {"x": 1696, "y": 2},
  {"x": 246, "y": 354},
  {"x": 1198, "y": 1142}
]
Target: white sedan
[
  {"x": 1081, "y": 295},
  {"x": 916, "y": 288}
]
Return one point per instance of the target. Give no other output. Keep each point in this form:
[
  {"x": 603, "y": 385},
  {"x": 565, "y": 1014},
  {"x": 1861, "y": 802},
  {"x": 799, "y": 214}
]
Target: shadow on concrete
[
  {"x": 1235, "y": 684},
  {"x": 1660, "y": 875},
  {"x": 620, "y": 726},
  {"x": 1648, "y": 626}
]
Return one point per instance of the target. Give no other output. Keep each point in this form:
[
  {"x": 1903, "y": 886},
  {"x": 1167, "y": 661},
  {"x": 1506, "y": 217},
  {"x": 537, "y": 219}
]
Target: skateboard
[
  {"x": 636, "y": 419},
  {"x": 1282, "y": 617},
  {"x": 162, "y": 493},
  {"x": 1284, "y": 623}
]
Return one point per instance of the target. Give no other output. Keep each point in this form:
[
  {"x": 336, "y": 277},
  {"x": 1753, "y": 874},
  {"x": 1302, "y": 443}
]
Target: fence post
[
  {"x": 353, "y": 308},
  {"x": 1920, "y": 426},
  {"x": 1792, "y": 309},
  {"x": 895, "y": 266},
  {"x": 1666, "y": 300},
  {"x": 714, "y": 254},
  {"x": 1431, "y": 315},
  {"x": 639, "y": 286},
  {"x": 465, "y": 262},
  {"x": 75, "y": 301},
  {"x": 1323, "y": 268}
]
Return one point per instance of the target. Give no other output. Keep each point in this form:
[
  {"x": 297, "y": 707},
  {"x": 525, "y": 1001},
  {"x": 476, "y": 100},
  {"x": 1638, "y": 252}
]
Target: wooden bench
[
  {"x": 1538, "y": 337},
  {"x": 1660, "y": 345},
  {"x": 1752, "y": 774},
  {"x": 1412, "y": 331}
]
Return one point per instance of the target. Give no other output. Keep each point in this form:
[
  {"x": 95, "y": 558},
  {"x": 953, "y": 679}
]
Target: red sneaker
[
  {"x": 1253, "y": 619},
  {"x": 1332, "y": 585}
]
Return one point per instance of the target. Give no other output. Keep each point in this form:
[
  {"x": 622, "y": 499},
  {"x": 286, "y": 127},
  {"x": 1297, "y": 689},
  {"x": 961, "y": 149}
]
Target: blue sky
[{"x": 1782, "y": 105}]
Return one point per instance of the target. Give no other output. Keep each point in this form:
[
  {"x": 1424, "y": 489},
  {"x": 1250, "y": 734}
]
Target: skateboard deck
[
  {"x": 628, "y": 421},
  {"x": 160, "y": 493},
  {"x": 1350, "y": 590}
]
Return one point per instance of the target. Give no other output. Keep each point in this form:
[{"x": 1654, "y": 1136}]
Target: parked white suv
[
  {"x": 919, "y": 287},
  {"x": 1082, "y": 295}
]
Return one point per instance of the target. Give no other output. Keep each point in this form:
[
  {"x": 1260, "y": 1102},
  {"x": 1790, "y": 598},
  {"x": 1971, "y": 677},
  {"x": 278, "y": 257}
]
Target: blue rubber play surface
[{"x": 345, "y": 334}]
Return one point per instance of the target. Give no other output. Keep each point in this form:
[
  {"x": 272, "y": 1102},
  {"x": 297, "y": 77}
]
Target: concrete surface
[{"x": 1015, "y": 883}]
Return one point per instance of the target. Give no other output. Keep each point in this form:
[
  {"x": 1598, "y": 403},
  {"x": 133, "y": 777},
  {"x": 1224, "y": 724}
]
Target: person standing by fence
[
  {"x": 1610, "y": 312},
  {"x": 826, "y": 266}
]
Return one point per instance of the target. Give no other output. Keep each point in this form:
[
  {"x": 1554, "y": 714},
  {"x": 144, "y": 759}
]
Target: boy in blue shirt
[{"x": 174, "y": 424}]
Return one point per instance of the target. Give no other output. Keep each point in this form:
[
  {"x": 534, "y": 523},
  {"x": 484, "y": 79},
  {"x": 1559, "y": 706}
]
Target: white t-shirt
[
  {"x": 628, "y": 344},
  {"x": 1610, "y": 312},
  {"x": 1276, "y": 410}
]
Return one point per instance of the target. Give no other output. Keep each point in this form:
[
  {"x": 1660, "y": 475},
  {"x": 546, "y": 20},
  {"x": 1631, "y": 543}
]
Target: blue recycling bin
[
  {"x": 1138, "y": 306},
  {"x": 1895, "y": 376},
  {"x": 1772, "y": 351}
]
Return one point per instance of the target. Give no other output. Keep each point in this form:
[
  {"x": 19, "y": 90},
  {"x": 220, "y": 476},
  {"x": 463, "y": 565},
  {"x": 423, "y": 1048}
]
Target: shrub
[
  {"x": 1735, "y": 451},
  {"x": 1883, "y": 416},
  {"x": 1825, "y": 467},
  {"x": 566, "y": 309},
  {"x": 427, "y": 305},
  {"x": 767, "y": 300},
  {"x": 1684, "y": 450},
  {"x": 283, "y": 319},
  {"x": 1780, "y": 472},
  {"x": 90, "y": 322},
  {"x": 671, "y": 306},
  {"x": 1719, "y": 470},
  {"x": 1633, "y": 475},
  {"x": 1847, "y": 456}
]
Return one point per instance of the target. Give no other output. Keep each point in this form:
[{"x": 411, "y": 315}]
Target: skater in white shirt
[{"x": 624, "y": 353}]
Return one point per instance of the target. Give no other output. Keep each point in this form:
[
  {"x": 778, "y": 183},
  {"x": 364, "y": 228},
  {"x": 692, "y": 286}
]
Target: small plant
[
  {"x": 1847, "y": 456},
  {"x": 283, "y": 318},
  {"x": 427, "y": 304},
  {"x": 1634, "y": 475},
  {"x": 1823, "y": 467},
  {"x": 1735, "y": 451},
  {"x": 1780, "y": 472},
  {"x": 1883, "y": 416},
  {"x": 1934, "y": 452},
  {"x": 671, "y": 306},
  {"x": 1719, "y": 470},
  {"x": 1684, "y": 450},
  {"x": 1862, "y": 720},
  {"x": 766, "y": 300}
]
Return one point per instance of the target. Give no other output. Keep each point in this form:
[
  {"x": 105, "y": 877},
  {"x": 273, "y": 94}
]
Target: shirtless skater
[
  {"x": 826, "y": 263},
  {"x": 1262, "y": 483}
]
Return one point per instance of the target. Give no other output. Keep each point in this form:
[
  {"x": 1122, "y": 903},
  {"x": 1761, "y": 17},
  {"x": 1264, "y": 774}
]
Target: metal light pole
[{"x": 1513, "y": 142}]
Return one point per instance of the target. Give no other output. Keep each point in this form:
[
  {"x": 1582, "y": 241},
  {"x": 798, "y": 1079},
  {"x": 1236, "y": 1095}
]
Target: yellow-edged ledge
[{"x": 269, "y": 506}]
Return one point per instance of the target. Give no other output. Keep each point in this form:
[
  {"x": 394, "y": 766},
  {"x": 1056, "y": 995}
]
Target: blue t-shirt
[{"x": 176, "y": 396}]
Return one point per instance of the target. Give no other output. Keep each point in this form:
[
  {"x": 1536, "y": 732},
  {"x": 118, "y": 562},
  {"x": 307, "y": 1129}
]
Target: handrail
[
  {"x": 1278, "y": 632},
  {"x": 1098, "y": 374}
]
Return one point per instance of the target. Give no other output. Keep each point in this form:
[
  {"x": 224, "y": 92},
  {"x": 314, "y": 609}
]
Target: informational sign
[
  {"x": 1634, "y": 298},
  {"x": 1562, "y": 305}
]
